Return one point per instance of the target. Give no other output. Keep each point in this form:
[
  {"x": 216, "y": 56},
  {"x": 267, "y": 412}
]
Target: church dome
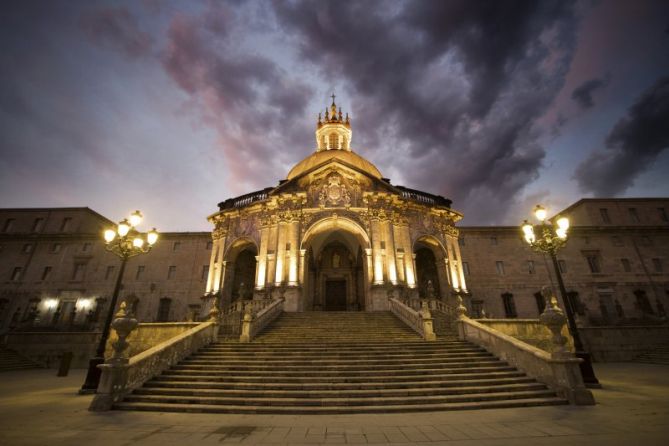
[
  {"x": 345, "y": 156},
  {"x": 333, "y": 142}
]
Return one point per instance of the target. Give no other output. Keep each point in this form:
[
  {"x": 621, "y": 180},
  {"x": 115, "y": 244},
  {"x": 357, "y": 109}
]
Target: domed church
[{"x": 335, "y": 235}]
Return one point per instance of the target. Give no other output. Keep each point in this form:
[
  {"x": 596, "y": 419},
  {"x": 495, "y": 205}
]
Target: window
[
  {"x": 627, "y": 266},
  {"x": 205, "y": 272},
  {"x": 176, "y": 246},
  {"x": 493, "y": 241},
  {"x": 210, "y": 245},
  {"x": 541, "y": 303},
  {"x": 9, "y": 224},
  {"x": 79, "y": 271},
  {"x": 604, "y": 213},
  {"x": 617, "y": 241},
  {"x": 27, "y": 248},
  {"x": 509, "y": 305},
  {"x": 37, "y": 225},
  {"x": 593, "y": 263},
  {"x": 333, "y": 141},
  {"x": 86, "y": 247},
  {"x": 65, "y": 226},
  {"x": 477, "y": 309},
  {"x": 55, "y": 248},
  {"x": 110, "y": 272},
  {"x": 500, "y": 267},
  {"x": 461, "y": 241},
  {"x": 657, "y": 264},
  {"x": 171, "y": 272},
  {"x": 140, "y": 272},
  {"x": 530, "y": 267},
  {"x": 663, "y": 214},
  {"x": 46, "y": 273},
  {"x": 465, "y": 268},
  {"x": 634, "y": 215},
  {"x": 578, "y": 305},
  {"x": 16, "y": 274},
  {"x": 164, "y": 309},
  {"x": 563, "y": 266},
  {"x": 642, "y": 302}
]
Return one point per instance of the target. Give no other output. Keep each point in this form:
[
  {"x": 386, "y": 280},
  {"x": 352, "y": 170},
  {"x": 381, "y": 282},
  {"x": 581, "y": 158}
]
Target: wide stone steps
[
  {"x": 326, "y": 363},
  {"x": 10, "y": 360},
  {"x": 660, "y": 355}
]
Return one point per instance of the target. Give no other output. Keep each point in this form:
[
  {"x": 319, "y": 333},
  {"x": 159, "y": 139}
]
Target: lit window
[
  {"x": 334, "y": 141},
  {"x": 500, "y": 267}
]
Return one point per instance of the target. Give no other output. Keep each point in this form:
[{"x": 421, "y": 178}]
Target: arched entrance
[
  {"x": 240, "y": 270},
  {"x": 336, "y": 277},
  {"x": 429, "y": 254}
]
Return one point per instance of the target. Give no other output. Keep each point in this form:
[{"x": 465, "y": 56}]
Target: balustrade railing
[
  {"x": 254, "y": 323},
  {"x": 418, "y": 320}
]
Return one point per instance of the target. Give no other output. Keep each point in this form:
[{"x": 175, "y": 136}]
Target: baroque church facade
[{"x": 335, "y": 235}]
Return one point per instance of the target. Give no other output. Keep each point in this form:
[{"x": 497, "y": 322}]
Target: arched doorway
[
  {"x": 336, "y": 276},
  {"x": 428, "y": 251},
  {"x": 240, "y": 270}
]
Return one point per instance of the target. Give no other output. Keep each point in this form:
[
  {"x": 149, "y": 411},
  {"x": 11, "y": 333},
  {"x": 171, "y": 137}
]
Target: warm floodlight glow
[
  {"x": 110, "y": 235},
  {"x": 51, "y": 303},
  {"x": 138, "y": 242},
  {"x": 562, "y": 233},
  {"x": 563, "y": 223},
  {"x": 540, "y": 212},
  {"x": 123, "y": 228},
  {"x": 84, "y": 303},
  {"x": 152, "y": 236},
  {"x": 528, "y": 231},
  {"x": 135, "y": 218}
]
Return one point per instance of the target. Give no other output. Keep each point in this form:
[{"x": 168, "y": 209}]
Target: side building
[{"x": 55, "y": 273}]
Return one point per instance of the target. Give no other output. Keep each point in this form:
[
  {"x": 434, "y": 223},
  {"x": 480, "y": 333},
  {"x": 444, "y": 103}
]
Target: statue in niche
[{"x": 335, "y": 260}]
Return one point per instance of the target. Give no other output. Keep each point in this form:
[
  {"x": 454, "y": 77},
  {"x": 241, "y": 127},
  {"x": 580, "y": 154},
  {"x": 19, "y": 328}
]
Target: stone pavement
[{"x": 37, "y": 408}]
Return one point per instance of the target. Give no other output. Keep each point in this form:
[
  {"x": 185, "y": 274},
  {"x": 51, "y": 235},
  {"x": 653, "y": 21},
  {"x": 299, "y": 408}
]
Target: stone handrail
[
  {"x": 432, "y": 304},
  {"x": 419, "y": 321},
  {"x": 254, "y": 323},
  {"x": 232, "y": 316},
  {"x": 559, "y": 371},
  {"x": 118, "y": 379}
]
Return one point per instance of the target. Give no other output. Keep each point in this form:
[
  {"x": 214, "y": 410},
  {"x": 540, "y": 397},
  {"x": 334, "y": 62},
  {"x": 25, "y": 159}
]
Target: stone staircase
[
  {"x": 10, "y": 360},
  {"x": 330, "y": 362},
  {"x": 659, "y": 355}
]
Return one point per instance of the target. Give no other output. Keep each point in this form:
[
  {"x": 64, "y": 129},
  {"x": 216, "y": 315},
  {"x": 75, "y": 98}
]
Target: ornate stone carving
[{"x": 334, "y": 192}]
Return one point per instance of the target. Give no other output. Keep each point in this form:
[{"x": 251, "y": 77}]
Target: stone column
[
  {"x": 452, "y": 261},
  {"x": 280, "y": 254},
  {"x": 390, "y": 252},
  {"x": 409, "y": 267},
  {"x": 399, "y": 252},
  {"x": 376, "y": 252},
  {"x": 293, "y": 233},
  {"x": 261, "y": 267},
  {"x": 458, "y": 265},
  {"x": 301, "y": 275}
]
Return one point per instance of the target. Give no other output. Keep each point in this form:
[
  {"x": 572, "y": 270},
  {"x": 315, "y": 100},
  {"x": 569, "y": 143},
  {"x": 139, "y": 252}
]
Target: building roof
[{"x": 318, "y": 158}]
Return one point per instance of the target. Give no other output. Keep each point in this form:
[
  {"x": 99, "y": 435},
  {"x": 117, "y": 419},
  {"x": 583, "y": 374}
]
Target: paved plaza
[{"x": 37, "y": 408}]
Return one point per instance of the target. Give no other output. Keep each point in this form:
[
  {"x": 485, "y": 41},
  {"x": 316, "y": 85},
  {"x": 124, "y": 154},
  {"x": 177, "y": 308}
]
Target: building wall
[
  {"x": 644, "y": 243},
  {"x": 80, "y": 243}
]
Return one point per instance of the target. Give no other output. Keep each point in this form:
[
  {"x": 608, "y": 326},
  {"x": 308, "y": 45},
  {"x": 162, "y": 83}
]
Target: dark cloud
[
  {"x": 256, "y": 107},
  {"x": 118, "y": 29},
  {"x": 453, "y": 88},
  {"x": 583, "y": 93},
  {"x": 632, "y": 146}
]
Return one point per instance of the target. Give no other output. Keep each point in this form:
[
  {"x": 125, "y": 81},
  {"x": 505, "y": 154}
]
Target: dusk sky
[{"x": 173, "y": 106}]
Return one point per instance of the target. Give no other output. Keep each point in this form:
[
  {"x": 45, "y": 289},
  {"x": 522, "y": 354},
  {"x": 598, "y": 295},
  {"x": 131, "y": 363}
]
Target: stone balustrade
[
  {"x": 558, "y": 371},
  {"x": 420, "y": 321},
  {"x": 255, "y": 322},
  {"x": 121, "y": 377}
]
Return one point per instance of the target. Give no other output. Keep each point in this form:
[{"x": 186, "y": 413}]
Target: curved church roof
[{"x": 318, "y": 158}]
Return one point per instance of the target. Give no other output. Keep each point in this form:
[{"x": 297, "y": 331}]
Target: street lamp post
[
  {"x": 126, "y": 242},
  {"x": 548, "y": 238}
]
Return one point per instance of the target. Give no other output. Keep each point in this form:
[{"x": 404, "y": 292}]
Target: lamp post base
[
  {"x": 587, "y": 372},
  {"x": 92, "y": 377}
]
